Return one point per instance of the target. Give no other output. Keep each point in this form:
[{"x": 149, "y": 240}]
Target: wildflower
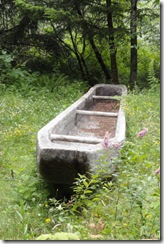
[
  {"x": 116, "y": 145},
  {"x": 142, "y": 132},
  {"x": 106, "y": 139},
  {"x": 148, "y": 216},
  {"x": 33, "y": 199},
  {"x": 156, "y": 143},
  {"x": 157, "y": 171},
  {"x": 48, "y": 220}
]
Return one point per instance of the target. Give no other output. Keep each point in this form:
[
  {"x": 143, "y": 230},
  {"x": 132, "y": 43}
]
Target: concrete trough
[{"x": 72, "y": 142}]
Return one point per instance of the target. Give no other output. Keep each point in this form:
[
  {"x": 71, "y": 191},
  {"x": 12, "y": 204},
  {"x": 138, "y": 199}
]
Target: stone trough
[{"x": 72, "y": 142}]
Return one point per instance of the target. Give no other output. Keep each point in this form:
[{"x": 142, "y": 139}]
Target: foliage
[
  {"x": 75, "y": 38},
  {"x": 154, "y": 82},
  {"x": 122, "y": 206},
  {"x": 20, "y": 80},
  {"x": 17, "y": 76}
]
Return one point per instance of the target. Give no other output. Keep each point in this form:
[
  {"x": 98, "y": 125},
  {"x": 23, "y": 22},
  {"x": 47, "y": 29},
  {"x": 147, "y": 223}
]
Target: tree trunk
[
  {"x": 114, "y": 70},
  {"x": 100, "y": 59},
  {"x": 77, "y": 56},
  {"x": 85, "y": 66},
  {"x": 93, "y": 45},
  {"x": 83, "y": 60},
  {"x": 133, "y": 32}
]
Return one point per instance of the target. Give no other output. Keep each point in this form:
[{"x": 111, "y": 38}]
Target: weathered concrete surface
[{"x": 59, "y": 162}]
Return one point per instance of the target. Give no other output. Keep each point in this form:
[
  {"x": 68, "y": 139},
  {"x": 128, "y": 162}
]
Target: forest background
[
  {"x": 51, "y": 53},
  {"x": 93, "y": 41}
]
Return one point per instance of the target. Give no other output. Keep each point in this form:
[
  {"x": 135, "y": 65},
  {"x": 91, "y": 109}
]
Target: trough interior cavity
[
  {"x": 109, "y": 91},
  {"x": 94, "y": 126}
]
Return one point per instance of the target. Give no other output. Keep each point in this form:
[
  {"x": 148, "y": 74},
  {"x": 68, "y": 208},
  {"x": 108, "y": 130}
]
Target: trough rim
[{"x": 43, "y": 137}]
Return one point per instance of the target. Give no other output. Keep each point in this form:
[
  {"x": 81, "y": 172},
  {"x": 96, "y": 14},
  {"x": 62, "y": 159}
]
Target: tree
[
  {"x": 88, "y": 29},
  {"x": 82, "y": 39},
  {"x": 114, "y": 70},
  {"x": 133, "y": 33}
]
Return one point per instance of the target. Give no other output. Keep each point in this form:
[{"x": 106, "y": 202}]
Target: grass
[{"x": 127, "y": 208}]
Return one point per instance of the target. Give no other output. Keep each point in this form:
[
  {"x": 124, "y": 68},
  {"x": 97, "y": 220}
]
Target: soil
[{"x": 96, "y": 126}]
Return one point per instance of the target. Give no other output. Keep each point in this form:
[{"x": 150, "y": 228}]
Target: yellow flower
[
  {"x": 48, "y": 220},
  {"x": 148, "y": 216},
  {"x": 156, "y": 142}
]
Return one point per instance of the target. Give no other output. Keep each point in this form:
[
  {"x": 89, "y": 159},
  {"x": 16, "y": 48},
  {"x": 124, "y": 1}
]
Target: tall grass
[
  {"x": 126, "y": 208},
  {"x": 22, "y": 191}
]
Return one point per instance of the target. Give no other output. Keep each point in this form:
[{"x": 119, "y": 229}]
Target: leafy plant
[{"x": 153, "y": 80}]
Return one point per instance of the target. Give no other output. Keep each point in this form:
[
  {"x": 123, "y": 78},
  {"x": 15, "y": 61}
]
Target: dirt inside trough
[{"x": 96, "y": 126}]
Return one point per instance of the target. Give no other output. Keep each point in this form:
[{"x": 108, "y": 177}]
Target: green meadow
[{"x": 124, "y": 208}]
